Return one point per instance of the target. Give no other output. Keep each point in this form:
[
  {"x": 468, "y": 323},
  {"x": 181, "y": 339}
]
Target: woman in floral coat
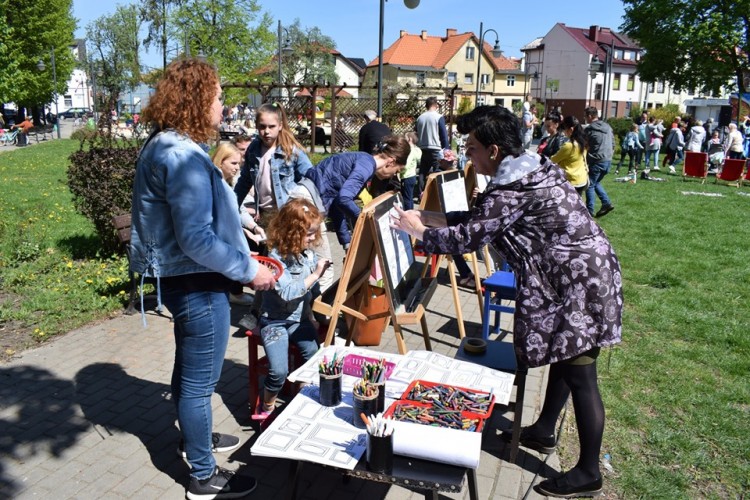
[{"x": 569, "y": 298}]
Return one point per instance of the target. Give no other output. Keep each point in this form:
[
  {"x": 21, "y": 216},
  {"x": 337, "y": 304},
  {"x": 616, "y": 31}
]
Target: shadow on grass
[{"x": 81, "y": 246}]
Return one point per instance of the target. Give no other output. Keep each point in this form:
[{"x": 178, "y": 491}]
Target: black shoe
[
  {"x": 605, "y": 210},
  {"x": 560, "y": 487},
  {"x": 220, "y": 443},
  {"x": 222, "y": 484},
  {"x": 542, "y": 444}
]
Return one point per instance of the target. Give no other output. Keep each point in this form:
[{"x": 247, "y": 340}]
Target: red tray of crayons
[{"x": 430, "y": 403}]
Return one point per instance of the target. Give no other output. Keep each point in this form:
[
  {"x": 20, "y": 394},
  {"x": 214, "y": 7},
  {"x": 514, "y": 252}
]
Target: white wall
[{"x": 348, "y": 76}]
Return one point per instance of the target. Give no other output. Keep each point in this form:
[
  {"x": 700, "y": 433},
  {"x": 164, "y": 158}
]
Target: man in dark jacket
[
  {"x": 600, "y": 141},
  {"x": 371, "y": 132}
]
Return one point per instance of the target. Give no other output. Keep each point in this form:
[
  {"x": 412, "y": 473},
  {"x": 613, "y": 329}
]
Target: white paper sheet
[
  {"x": 450, "y": 446},
  {"x": 306, "y": 430},
  {"x": 417, "y": 364}
]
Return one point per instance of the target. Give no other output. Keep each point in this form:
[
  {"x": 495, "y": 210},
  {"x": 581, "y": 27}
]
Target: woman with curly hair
[
  {"x": 285, "y": 313},
  {"x": 569, "y": 293},
  {"x": 187, "y": 236}
]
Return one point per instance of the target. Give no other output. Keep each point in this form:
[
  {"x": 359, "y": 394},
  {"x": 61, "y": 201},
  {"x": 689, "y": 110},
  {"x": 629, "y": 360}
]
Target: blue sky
[{"x": 353, "y": 24}]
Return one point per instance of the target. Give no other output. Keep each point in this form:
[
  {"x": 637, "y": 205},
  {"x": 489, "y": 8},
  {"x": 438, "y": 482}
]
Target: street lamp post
[
  {"x": 496, "y": 52},
  {"x": 594, "y": 68},
  {"x": 41, "y": 67},
  {"x": 606, "y": 67},
  {"x": 534, "y": 76},
  {"x": 411, "y": 4}
]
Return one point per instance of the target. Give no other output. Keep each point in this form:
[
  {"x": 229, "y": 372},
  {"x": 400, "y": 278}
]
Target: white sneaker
[
  {"x": 672, "y": 170},
  {"x": 241, "y": 299},
  {"x": 656, "y": 167}
]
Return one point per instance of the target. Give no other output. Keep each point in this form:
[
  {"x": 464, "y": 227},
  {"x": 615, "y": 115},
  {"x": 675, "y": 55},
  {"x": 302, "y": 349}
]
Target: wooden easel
[
  {"x": 369, "y": 242},
  {"x": 470, "y": 176},
  {"x": 434, "y": 199}
]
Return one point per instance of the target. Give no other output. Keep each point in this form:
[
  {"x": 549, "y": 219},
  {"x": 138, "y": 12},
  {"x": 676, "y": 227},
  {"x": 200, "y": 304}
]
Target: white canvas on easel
[
  {"x": 397, "y": 248},
  {"x": 454, "y": 195}
]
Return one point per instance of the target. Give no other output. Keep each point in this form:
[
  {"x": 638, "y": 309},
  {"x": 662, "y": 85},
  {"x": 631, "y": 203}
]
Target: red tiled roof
[
  {"x": 435, "y": 51},
  {"x": 604, "y": 36}
]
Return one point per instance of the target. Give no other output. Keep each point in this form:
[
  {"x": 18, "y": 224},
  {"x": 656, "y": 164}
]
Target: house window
[
  {"x": 68, "y": 101},
  {"x": 658, "y": 105},
  {"x": 420, "y": 78},
  {"x": 660, "y": 87},
  {"x": 500, "y": 102},
  {"x": 514, "y": 102},
  {"x": 628, "y": 55},
  {"x": 485, "y": 79},
  {"x": 618, "y": 54},
  {"x": 469, "y": 78},
  {"x": 452, "y": 77},
  {"x": 616, "y": 81},
  {"x": 631, "y": 83},
  {"x": 651, "y": 87},
  {"x": 598, "y": 92},
  {"x": 480, "y": 100},
  {"x": 511, "y": 81},
  {"x": 469, "y": 53}
]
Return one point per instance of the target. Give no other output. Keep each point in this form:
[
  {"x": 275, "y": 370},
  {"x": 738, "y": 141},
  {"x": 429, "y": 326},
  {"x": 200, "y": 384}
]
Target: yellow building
[{"x": 448, "y": 61}]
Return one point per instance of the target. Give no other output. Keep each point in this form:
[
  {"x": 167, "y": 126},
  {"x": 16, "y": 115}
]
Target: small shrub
[
  {"x": 101, "y": 179},
  {"x": 620, "y": 126}
]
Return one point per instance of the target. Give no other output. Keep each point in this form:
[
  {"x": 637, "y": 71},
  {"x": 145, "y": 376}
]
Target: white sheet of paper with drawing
[
  {"x": 414, "y": 365},
  {"x": 396, "y": 248},
  {"x": 454, "y": 195},
  {"x": 305, "y": 430}
]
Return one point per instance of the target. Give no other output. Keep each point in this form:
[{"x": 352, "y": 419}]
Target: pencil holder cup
[
  {"x": 330, "y": 389},
  {"x": 363, "y": 404},
  {"x": 381, "y": 397},
  {"x": 380, "y": 453}
]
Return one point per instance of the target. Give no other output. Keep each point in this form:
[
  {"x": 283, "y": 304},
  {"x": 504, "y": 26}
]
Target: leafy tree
[
  {"x": 114, "y": 49},
  {"x": 697, "y": 44},
  {"x": 30, "y": 32},
  {"x": 310, "y": 59},
  {"x": 156, "y": 13},
  {"x": 223, "y": 31}
]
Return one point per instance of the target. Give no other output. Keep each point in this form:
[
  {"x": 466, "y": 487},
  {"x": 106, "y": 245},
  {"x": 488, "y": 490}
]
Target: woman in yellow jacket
[{"x": 572, "y": 155}]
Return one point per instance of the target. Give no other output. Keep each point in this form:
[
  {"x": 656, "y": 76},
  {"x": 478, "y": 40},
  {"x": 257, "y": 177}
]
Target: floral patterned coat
[{"x": 569, "y": 294}]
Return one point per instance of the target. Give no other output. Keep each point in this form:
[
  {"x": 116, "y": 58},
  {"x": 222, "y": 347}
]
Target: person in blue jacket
[
  {"x": 335, "y": 183},
  {"x": 187, "y": 236},
  {"x": 274, "y": 163}
]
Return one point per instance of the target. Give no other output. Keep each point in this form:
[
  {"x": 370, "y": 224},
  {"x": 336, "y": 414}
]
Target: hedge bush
[{"x": 100, "y": 177}]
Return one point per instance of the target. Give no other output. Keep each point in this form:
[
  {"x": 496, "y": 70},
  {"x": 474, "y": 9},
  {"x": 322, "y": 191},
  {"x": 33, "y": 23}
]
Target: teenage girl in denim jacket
[
  {"x": 274, "y": 163},
  {"x": 286, "y": 314}
]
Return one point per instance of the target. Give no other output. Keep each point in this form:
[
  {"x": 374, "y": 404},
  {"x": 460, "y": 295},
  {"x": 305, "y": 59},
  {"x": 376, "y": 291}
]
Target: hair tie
[
  {"x": 304, "y": 207},
  {"x": 380, "y": 147}
]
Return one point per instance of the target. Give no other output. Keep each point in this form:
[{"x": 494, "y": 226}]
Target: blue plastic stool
[{"x": 500, "y": 286}]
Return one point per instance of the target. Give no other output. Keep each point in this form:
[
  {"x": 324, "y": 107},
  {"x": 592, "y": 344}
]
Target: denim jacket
[
  {"x": 290, "y": 300},
  {"x": 185, "y": 217},
  {"x": 285, "y": 173}
]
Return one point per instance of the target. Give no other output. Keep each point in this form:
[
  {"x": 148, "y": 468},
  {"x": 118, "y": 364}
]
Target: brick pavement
[{"x": 88, "y": 415}]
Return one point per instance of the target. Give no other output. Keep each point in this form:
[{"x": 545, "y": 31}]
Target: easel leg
[
  {"x": 400, "y": 338},
  {"x": 471, "y": 478},
  {"x": 425, "y": 332},
  {"x": 456, "y": 299},
  {"x": 477, "y": 281}
]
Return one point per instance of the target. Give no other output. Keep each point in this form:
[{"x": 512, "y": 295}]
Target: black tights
[{"x": 580, "y": 381}]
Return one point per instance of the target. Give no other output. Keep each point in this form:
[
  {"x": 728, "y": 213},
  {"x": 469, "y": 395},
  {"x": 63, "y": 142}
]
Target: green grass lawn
[
  {"x": 53, "y": 278},
  {"x": 677, "y": 390}
]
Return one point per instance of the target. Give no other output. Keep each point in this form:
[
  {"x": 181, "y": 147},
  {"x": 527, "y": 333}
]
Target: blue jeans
[
  {"x": 407, "y": 191},
  {"x": 276, "y": 336},
  {"x": 201, "y": 332},
  {"x": 597, "y": 172},
  {"x": 649, "y": 154}
]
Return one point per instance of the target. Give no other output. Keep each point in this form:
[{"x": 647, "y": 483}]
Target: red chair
[
  {"x": 731, "y": 172},
  {"x": 695, "y": 165}
]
